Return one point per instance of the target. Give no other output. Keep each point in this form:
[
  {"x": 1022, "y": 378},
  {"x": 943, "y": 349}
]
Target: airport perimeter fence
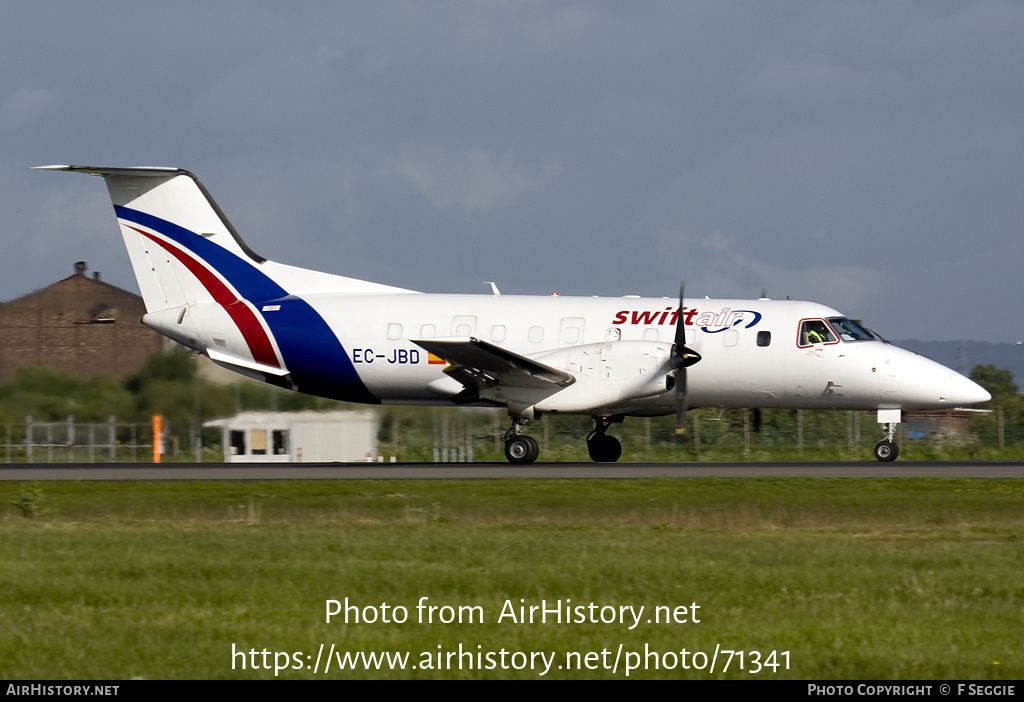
[
  {"x": 69, "y": 441},
  {"x": 468, "y": 435},
  {"x": 459, "y": 435}
]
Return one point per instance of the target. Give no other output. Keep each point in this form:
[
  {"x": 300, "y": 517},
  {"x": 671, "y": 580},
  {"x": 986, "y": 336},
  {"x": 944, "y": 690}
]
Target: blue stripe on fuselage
[{"x": 315, "y": 358}]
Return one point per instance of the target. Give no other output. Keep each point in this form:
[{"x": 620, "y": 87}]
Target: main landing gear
[
  {"x": 520, "y": 448},
  {"x": 604, "y": 448}
]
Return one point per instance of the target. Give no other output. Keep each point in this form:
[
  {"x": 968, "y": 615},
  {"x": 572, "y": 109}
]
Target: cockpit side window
[
  {"x": 815, "y": 331},
  {"x": 849, "y": 330}
]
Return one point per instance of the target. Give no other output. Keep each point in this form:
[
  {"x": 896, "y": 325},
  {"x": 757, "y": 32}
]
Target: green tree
[
  {"x": 175, "y": 365},
  {"x": 47, "y": 395},
  {"x": 998, "y": 381}
]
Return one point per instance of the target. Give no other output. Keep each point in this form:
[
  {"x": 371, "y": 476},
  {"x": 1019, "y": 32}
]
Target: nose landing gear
[{"x": 886, "y": 450}]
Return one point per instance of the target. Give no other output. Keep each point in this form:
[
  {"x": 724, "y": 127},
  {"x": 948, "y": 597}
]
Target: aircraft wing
[{"x": 477, "y": 363}]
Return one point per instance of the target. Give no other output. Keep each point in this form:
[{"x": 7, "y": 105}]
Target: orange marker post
[{"x": 158, "y": 423}]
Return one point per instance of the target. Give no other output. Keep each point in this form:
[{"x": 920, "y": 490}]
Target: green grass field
[{"x": 808, "y": 578}]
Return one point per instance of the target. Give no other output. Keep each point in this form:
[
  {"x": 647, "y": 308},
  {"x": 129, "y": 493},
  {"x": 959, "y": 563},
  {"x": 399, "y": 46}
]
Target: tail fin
[
  {"x": 247, "y": 313},
  {"x": 183, "y": 249},
  {"x": 165, "y": 214}
]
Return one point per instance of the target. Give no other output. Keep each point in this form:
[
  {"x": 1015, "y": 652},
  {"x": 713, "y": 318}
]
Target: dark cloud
[{"x": 866, "y": 155}]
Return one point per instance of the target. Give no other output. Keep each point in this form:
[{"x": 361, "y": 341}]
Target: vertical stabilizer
[
  {"x": 206, "y": 289},
  {"x": 184, "y": 251},
  {"x": 172, "y": 229}
]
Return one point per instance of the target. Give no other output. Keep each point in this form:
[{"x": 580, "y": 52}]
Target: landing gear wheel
[
  {"x": 604, "y": 449},
  {"x": 521, "y": 449},
  {"x": 886, "y": 450}
]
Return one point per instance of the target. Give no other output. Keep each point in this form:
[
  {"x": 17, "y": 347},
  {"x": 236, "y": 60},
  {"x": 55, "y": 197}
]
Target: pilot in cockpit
[{"x": 815, "y": 332}]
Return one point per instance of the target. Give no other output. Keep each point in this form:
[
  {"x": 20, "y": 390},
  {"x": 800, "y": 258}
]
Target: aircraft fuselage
[
  {"x": 751, "y": 353},
  {"x": 360, "y": 341}
]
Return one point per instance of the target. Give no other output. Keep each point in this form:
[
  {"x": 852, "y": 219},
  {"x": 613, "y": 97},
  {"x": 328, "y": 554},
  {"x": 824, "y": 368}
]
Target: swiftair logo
[{"x": 711, "y": 322}]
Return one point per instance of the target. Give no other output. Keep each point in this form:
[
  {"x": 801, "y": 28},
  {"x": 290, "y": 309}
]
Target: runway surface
[{"x": 493, "y": 471}]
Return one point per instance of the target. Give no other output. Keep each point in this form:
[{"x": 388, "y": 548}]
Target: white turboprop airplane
[{"x": 607, "y": 358}]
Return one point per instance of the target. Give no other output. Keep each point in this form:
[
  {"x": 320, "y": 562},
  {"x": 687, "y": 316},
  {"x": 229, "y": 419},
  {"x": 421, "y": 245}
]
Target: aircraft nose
[
  {"x": 964, "y": 391},
  {"x": 955, "y": 390},
  {"x": 918, "y": 382}
]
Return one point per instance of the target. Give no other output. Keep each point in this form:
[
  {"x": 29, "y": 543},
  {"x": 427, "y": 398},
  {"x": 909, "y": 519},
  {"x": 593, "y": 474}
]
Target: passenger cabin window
[
  {"x": 428, "y": 331},
  {"x": 536, "y": 334},
  {"x": 463, "y": 325},
  {"x": 394, "y": 331},
  {"x": 815, "y": 331},
  {"x": 764, "y": 338},
  {"x": 498, "y": 332}
]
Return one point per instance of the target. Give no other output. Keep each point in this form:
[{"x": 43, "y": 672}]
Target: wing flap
[{"x": 472, "y": 361}]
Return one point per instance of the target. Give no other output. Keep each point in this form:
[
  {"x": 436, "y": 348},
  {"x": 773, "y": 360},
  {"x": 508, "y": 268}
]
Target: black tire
[
  {"x": 521, "y": 449},
  {"x": 604, "y": 449},
  {"x": 886, "y": 451}
]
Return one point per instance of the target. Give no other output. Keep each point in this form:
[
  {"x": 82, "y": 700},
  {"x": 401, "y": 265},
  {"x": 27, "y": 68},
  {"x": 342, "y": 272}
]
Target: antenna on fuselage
[{"x": 494, "y": 287}]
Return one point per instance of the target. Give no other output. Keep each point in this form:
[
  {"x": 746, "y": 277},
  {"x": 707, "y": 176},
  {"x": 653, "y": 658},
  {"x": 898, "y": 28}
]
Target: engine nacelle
[{"x": 608, "y": 375}]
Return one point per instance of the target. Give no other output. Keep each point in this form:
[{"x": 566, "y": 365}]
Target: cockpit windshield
[{"x": 848, "y": 330}]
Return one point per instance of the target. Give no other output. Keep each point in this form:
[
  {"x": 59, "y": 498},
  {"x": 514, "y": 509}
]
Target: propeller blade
[
  {"x": 682, "y": 405},
  {"x": 682, "y": 358},
  {"x": 682, "y": 355},
  {"x": 680, "y": 337}
]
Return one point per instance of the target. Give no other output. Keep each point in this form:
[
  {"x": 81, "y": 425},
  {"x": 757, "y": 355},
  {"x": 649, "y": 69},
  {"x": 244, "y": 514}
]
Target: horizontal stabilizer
[
  {"x": 154, "y": 171},
  {"x": 240, "y": 364}
]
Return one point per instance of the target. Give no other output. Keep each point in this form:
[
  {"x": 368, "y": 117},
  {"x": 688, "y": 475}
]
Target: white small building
[{"x": 298, "y": 437}]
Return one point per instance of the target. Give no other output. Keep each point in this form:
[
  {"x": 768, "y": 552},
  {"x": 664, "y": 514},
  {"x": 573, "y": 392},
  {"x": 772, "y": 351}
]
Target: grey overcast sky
[{"x": 867, "y": 155}]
